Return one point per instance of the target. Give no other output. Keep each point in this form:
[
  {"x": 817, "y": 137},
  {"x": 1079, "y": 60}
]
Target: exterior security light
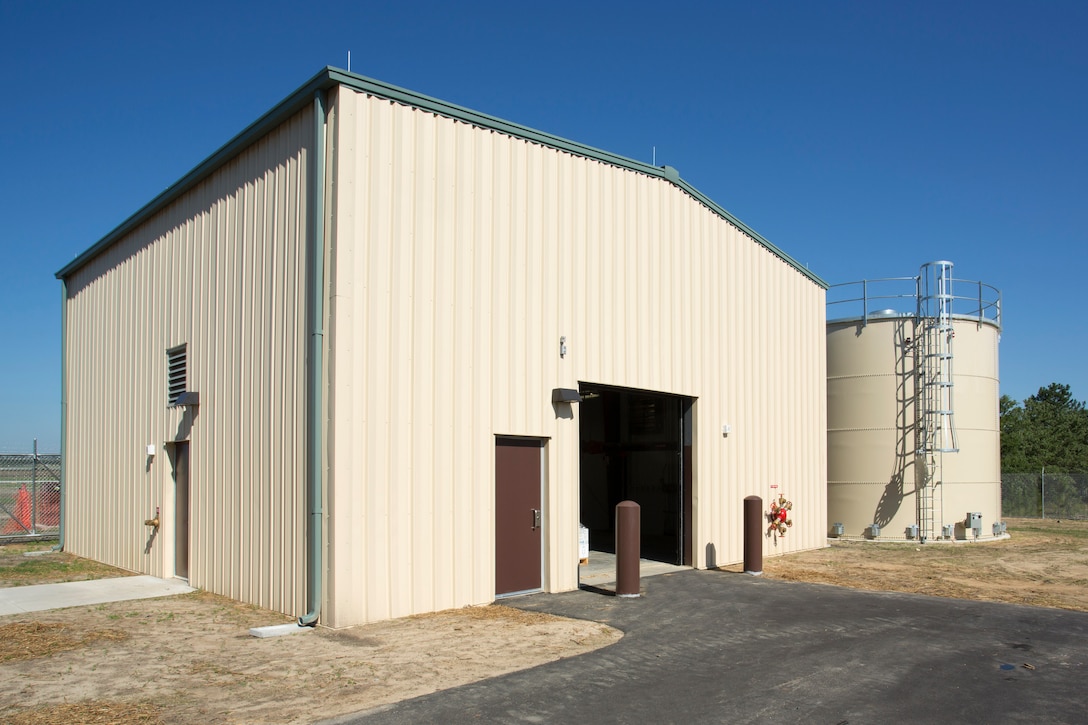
[{"x": 566, "y": 395}]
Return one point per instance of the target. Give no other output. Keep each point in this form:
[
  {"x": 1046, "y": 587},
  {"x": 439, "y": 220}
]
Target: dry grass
[
  {"x": 32, "y": 640},
  {"x": 497, "y": 612},
  {"x": 29, "y": 640},
  {"x": 95, "y": 712},
  {"x": 191, "y": 655},
  {"x": 205, "y": 669},
  {"x": 1044, "y": 563}
]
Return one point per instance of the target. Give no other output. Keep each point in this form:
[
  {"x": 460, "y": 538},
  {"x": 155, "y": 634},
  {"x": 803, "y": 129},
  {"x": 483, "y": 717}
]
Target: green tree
[
  {"x": 1013, "y": 449},
  {"x": 1050, "y": 429}
]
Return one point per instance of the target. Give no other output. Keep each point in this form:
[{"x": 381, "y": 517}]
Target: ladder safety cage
[{"x": 934, "y": 388}]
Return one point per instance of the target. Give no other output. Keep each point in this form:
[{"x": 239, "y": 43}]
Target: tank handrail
[
  {"x": 865, "y": 297},
  {"x": 984, "y": 304}
]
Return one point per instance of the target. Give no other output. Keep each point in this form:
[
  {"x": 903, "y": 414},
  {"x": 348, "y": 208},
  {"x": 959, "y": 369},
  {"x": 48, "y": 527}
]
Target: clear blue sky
[{"x": 863, "y": 138}]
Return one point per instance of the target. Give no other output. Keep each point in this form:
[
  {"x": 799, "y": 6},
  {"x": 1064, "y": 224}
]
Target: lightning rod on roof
[
  {"x": 349, "y": 61},
  {"x": 654, "y": 163}
]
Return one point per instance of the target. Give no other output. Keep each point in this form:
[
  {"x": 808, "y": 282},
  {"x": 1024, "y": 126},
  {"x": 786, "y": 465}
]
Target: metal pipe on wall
[
  {"x": 315, "y": 428},
  {"x": 63, "y": 407}
]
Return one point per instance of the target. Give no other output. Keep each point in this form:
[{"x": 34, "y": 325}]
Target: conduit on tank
[{"x": 912, "y": 408}]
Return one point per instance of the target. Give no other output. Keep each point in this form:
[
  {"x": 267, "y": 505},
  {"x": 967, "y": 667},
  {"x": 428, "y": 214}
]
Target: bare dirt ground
[
  {"x": 1043, "y": 563},
  {"x": 190, "y": 659}
]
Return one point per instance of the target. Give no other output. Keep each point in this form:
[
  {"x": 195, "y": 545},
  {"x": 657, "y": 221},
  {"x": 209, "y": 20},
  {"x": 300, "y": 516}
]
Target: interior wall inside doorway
[{"x": 632, "y": 446}]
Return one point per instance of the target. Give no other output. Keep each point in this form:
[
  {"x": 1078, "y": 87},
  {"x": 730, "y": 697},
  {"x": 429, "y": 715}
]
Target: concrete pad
[
  {"x": 600, "y": 571},
  {"x": 279, "y": 630},
  {"x": 42, "y": 597}
]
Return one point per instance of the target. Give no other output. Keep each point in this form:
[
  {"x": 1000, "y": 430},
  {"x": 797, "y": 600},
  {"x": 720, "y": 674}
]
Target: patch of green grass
[
  {"x": 51, "y": 568},
  {"x": 1068, "y": 529},
  {"x": 13, "y": 551}
]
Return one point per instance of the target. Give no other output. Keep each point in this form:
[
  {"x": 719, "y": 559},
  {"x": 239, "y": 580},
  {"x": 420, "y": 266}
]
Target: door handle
[{"x": 536, "y": 519}]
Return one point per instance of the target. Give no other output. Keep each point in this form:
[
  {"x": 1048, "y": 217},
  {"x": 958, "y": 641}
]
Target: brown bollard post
[
  {"x": 628, "y": 535},
  {"x": 753, "y": 535}
]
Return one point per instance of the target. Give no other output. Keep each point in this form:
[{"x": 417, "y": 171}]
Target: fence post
[
  {"x": 34, "y": 490},
  {"x": 1042, "y": 508}
]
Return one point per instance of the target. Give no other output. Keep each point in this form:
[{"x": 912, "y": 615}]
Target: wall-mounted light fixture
[
  {"x": 727, "y": 429},
  {"x": 150, "y": 450},
  {"x": 563, "y": 346},
  {"x": 566, "y": 395}
]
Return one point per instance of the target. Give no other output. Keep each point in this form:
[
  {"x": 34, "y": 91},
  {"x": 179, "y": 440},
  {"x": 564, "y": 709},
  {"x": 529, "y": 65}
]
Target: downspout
[
  {"x": 63, "y": 408},
  {"x": 315, "y": 371}
]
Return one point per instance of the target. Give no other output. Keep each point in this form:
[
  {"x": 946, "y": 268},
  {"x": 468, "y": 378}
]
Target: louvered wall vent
[{"x": 176, "y": 373}]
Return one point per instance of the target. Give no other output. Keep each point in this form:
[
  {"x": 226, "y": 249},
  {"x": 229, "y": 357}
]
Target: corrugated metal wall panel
[
  {"x": 461, "y": 256},
  {"x": 220, "y": 269}
]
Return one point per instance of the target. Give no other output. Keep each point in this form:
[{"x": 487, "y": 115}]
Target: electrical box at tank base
[{"x": 973, "y": 522}]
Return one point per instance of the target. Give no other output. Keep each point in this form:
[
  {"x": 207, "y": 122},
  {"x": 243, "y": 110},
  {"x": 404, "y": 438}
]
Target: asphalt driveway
[{"x": 708, "y": 646}]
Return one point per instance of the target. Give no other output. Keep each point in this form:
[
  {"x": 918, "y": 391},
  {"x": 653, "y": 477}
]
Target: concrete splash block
[{"x": 279, "y": 630}]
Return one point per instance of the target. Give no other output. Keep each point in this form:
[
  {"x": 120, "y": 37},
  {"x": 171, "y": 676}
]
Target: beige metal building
[
  {"x": 382, "y": 355},
  {"x": 914, "y": 442}
]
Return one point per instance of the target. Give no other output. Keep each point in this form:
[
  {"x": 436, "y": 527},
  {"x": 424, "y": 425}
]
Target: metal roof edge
[
  {"x": 484, "y": 120},
  {"x": 330, "y": 76},
  {"x": 451, "y": 110},
  {"x": 756, "y": 236},
  {"x": 282, "y": 110}
]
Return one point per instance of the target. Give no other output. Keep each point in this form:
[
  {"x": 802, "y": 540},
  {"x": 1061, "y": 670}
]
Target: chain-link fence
[
  {"x": 29, "y": 495},
  {"x": 1045, "y": 495}
]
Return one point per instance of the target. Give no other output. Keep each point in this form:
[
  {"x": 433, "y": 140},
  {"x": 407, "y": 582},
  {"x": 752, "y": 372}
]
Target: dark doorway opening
[
  {"x": 181, "y": 509},
  {"x": 636, "y": 446}
]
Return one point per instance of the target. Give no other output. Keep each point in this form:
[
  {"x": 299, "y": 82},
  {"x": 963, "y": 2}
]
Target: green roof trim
[
  {"x": 254, "y": 131},
  {"x": 329, "y": 77}
]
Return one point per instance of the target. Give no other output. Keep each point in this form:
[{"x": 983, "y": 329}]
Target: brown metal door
[{"x": 517, "y": 515}]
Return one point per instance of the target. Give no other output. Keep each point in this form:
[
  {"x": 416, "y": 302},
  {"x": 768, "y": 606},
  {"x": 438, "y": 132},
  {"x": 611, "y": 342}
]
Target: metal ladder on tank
[{"x": 934, "y": 387}]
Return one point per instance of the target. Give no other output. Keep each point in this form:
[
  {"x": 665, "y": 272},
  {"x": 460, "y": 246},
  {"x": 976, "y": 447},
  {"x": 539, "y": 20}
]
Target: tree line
[
  {"x": 1044, "y": 454},
  {"x": 1050, "y": 429}
]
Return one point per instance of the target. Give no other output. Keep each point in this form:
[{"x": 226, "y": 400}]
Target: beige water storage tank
[{"x": 912, "y": 407}]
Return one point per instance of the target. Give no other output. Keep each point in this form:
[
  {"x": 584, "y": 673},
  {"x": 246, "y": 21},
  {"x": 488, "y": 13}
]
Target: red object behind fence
[
  {"x": 49, "y": 506},
  {"x": 20, "y": 521}
]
